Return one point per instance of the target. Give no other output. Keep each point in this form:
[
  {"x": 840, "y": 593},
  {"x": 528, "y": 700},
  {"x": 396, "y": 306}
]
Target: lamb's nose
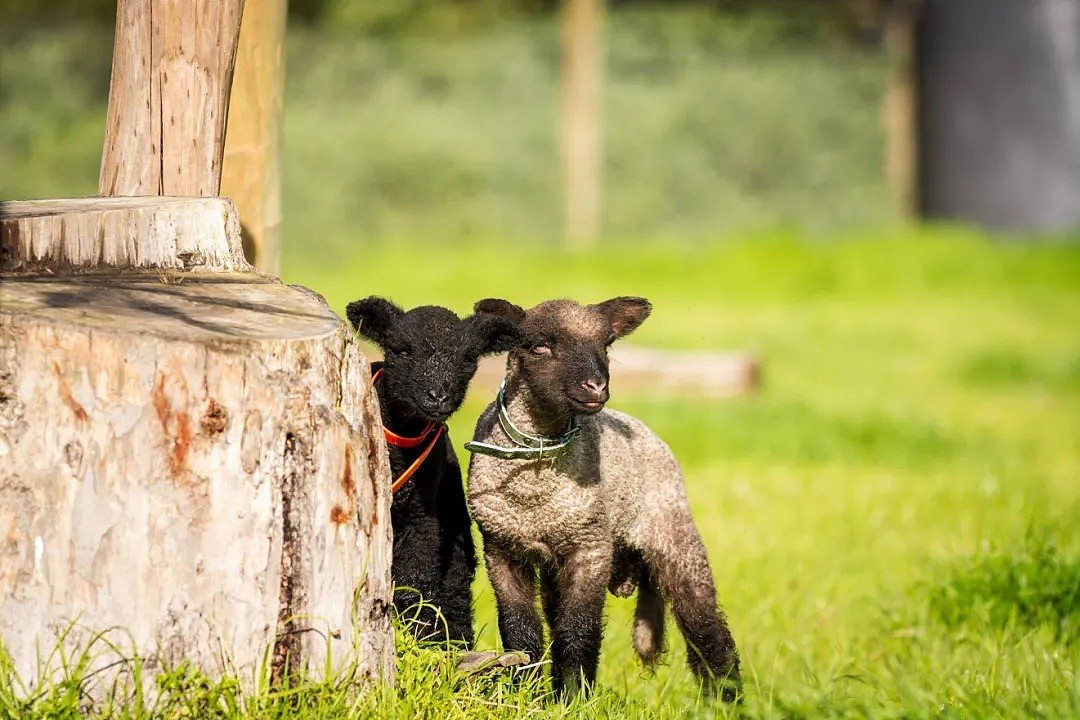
[
  {"x": 594, "y": 386},
  {"x": 438, "y": 397}
]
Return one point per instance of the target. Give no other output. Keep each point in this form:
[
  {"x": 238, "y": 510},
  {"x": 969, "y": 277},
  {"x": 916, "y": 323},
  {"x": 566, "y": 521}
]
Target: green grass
[{"x": 879, "y": 469}]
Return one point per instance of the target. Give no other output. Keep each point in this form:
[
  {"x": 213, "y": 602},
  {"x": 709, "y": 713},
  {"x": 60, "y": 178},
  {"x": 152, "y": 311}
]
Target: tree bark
[
  {"x": 189, "y": 453},
  {"x": 194, "y": 459},
  {"x": 107, "y": 234}
]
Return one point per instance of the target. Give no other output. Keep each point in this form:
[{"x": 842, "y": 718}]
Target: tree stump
[{"x": 194, "y": 457}]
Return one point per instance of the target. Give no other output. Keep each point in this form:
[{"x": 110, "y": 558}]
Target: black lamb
[{"x": 430, "y": 355}]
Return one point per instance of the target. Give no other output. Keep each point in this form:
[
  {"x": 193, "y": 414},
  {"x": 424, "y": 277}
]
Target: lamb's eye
[{"x": 541, "y": 349}]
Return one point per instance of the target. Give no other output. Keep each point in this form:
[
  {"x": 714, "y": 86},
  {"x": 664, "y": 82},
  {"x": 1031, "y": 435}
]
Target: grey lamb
[{"x": 586, "y": 499}]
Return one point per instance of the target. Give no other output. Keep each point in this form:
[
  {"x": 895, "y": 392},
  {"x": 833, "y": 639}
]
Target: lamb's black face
[
  {"x": 562, "y": 351},
  {"x": 430, "y": 354}
]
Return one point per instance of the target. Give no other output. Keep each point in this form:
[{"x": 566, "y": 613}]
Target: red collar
[{"x": 433, "y": 430}]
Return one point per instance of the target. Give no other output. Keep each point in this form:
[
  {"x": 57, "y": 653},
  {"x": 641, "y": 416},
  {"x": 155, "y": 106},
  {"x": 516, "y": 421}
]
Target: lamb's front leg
[
  {"x": 416, "y": 577},
  {"x": 514, "y": 581},
  {"x": 457, "y": 555},
  {"x": 578, "y": 594}
]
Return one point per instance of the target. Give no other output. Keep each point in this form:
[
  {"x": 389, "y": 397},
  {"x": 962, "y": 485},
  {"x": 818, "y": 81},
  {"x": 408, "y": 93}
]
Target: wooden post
[
  {"x": 579, "y": 136},
  {"x": 252, "y": 167},
  {"x": 188, "y": 451},
  {"x": 169, "y": 97},
  {"x": 900, "y": 107}
]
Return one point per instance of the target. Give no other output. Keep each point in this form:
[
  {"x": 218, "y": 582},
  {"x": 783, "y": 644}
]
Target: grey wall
[{"x": 1000, "y": 112}]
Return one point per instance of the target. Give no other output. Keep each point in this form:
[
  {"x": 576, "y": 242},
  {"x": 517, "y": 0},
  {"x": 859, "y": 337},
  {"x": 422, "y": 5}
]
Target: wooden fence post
[
  {"x": 579, "y": 129},
  {"x": 169, "y": 97},
  {"x": 900, "y": 107}
]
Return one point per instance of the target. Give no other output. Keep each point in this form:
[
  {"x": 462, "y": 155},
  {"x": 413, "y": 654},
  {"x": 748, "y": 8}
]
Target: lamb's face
[
  {"x": 563, "y": 357},
  {"x": 430, "y": 354},
  {"x": 562, "y": 351}
]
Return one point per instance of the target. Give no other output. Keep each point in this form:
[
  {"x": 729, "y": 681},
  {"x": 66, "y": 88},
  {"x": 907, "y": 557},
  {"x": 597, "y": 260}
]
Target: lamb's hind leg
[
  {"x": 648, "y": 619},
  {"x": 682, "y": 570}
]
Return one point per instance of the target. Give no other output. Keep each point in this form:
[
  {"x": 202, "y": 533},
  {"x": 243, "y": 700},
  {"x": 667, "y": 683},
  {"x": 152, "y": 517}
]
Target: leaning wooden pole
[
  {"x": 579, "y": 126},
  {"x": 189, "y": 452},
  {"x": 251, "y": 174}
]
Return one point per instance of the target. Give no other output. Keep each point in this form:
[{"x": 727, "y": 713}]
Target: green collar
[{"x": 529, "y": 447}]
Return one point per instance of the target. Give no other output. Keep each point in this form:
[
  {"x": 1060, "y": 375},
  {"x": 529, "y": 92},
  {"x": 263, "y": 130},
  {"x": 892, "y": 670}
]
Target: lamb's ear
[
  {"x": 491, "y": 333},
  {"x": 625, "y": 313},
  {"x": 373, "y": 317},
  {"x": 503, "y": 308}
]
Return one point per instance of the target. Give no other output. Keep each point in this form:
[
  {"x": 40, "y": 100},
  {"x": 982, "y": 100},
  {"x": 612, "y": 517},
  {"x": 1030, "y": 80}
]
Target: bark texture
[{"x": 195, "y": 459}]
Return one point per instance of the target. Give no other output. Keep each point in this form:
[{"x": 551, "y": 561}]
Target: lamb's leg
[
  {"x": 648, "y": 619},
  {"x": 416, "y": 579},
  {"x": 682, "y": 569},
  {"x": 457, "y": 555},
  {"x": 514, "y": 582},
  {"x": 458, "y": 572},
  {"x": 578, "y": 627}
]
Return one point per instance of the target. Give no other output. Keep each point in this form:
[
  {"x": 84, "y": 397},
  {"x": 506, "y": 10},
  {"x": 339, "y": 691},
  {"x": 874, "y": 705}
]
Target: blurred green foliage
[
  {"x": 54, "y": 84},
  {"x": 12, "y": 11},
  {"x": 381, "y": 15},
  {"x": 713, "y": 121}
]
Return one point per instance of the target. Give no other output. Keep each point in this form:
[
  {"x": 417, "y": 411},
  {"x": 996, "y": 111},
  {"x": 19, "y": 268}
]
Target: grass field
[{"x": 892, "y": 520}]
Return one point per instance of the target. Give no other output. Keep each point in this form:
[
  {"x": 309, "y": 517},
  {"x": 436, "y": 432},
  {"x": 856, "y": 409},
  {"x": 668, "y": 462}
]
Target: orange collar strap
[
  {"x": 411, "y": 470},
  {"x": 400, "y": 441},
  {"x": 433, "y": 430}
]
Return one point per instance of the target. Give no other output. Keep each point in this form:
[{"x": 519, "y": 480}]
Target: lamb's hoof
[
  {"x": 730, "y": 690},
  {"x": 622, "y": 589},
  {"x": 476, "y": 662}
]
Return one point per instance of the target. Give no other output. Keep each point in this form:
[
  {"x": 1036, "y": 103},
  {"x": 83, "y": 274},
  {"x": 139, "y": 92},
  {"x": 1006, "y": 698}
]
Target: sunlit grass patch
[
  {"x": 1006, "y": 367},
  {"x": 786, "y": 431},
  {"x": 1034, "y": 585}
]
